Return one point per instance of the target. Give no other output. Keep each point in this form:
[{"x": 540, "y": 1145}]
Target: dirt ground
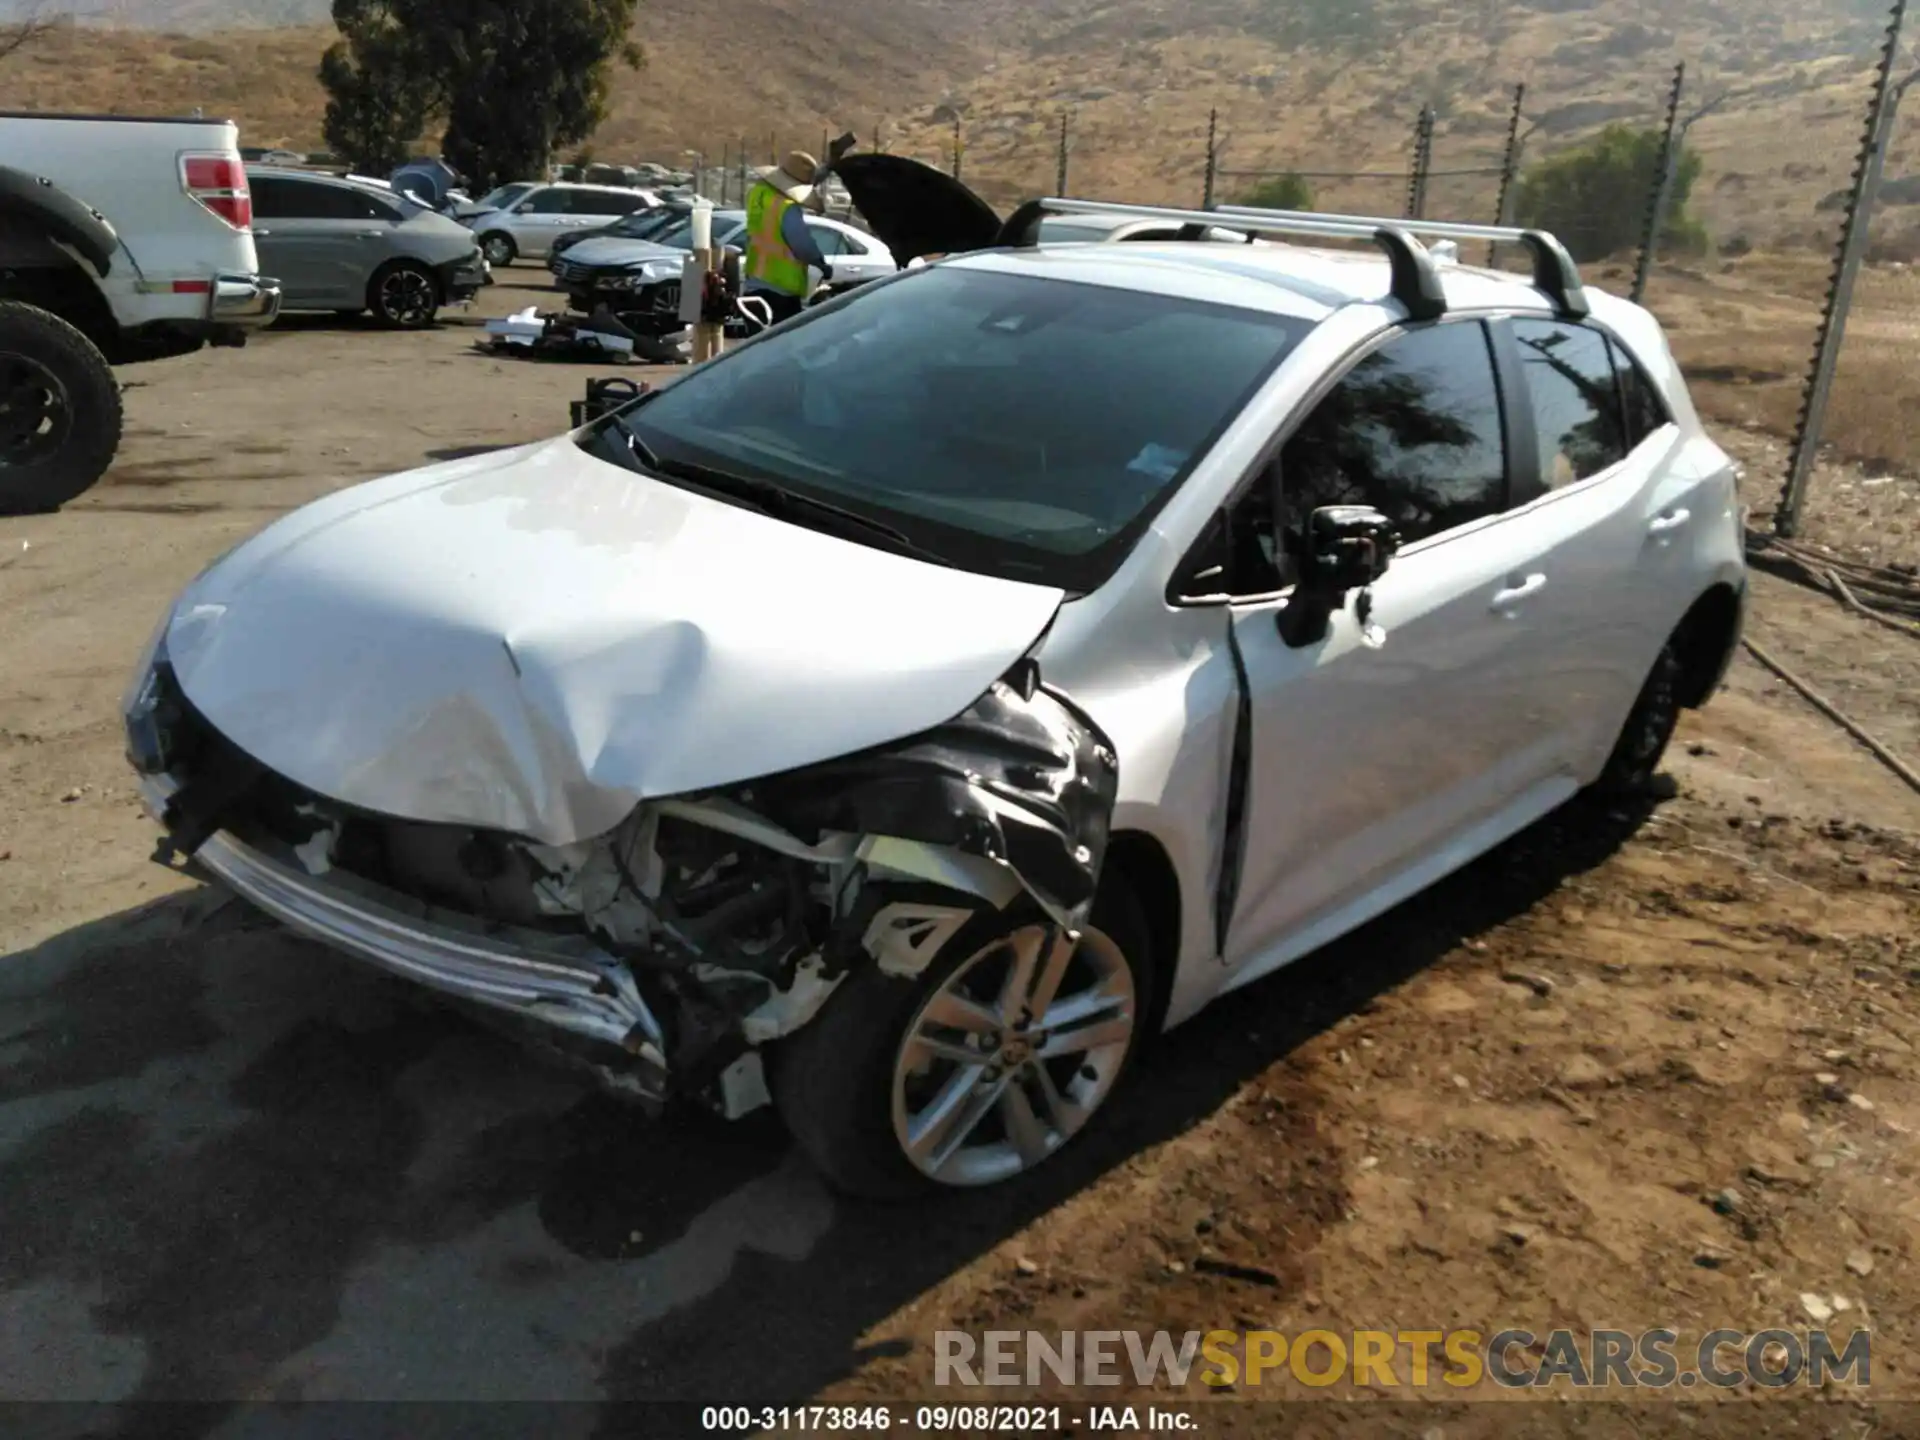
[{"x": 1631, "y": 1071}]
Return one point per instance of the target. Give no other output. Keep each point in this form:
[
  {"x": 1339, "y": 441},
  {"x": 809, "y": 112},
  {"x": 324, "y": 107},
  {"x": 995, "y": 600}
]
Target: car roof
[{"x": 1278, "y": 278}]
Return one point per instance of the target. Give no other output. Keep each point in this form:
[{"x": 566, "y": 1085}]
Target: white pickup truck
[{"x": 121, "y": 240}]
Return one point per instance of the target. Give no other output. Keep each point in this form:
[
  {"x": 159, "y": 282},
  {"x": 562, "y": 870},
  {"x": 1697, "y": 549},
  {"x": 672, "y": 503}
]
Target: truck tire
[{"x": 60, "y": 413}]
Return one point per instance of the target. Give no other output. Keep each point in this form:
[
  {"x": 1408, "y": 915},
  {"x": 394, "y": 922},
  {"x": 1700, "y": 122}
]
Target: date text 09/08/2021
[{"x": 946, "y": 1419}]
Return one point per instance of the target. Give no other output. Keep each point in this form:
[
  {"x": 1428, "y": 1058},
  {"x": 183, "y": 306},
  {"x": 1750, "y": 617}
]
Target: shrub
[
  {"x": 1280, "y": 192},
  {"x": 1595, "y": 197}
]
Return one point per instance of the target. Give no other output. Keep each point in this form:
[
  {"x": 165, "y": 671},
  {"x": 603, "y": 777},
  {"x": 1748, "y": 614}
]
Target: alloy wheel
[
  {"x": 1011, "y": 1056},
  {"x": 407, "y": 297},
  {"x": 35, "y": 416}
]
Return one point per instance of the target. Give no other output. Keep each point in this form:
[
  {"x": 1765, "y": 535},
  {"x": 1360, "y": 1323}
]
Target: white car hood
[{"x": 535, "y": 641}]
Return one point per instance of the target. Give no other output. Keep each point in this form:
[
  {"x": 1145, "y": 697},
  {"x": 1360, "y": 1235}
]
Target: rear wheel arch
[{"x": 1704, "y": 641}]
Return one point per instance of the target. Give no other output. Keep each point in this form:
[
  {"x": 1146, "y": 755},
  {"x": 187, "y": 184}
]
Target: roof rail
[
  {"x": 1416, "y": 281},
  {"x": 1554, "y": 273}
]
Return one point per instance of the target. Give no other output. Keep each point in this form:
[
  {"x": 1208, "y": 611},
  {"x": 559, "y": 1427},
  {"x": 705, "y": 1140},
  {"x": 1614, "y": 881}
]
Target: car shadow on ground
[{"x": 236, "y": 1166}]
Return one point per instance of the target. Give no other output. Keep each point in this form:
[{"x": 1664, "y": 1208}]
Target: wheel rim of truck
[{"x": 36, "y": 417}]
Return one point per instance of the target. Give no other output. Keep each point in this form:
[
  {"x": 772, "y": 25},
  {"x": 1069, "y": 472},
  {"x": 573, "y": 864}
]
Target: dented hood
[{"x": 535, "y": 640}]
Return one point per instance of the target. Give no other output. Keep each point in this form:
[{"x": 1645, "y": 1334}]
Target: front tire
[
  {"x": 499, "y": 249},
  {"x": 404, "y": 296},
  {"x": 980, "y": 1069},
  {"x": 60, "y": 413}
]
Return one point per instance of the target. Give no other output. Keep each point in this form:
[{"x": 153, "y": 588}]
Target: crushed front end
[{"x": 661, "y": 955}]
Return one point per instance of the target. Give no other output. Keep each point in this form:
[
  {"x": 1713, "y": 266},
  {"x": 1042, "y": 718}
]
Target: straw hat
[{"x": 792, "y": 177}]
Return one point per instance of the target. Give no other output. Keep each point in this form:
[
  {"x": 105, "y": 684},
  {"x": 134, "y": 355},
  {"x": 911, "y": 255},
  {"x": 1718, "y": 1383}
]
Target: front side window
[
  {"x": 1414, "y": 430},
  {"x": 548, "y": 202},
  {"x": 1015, "y": 425},
  {"x": 271, "y": 200},
  {"x": 505, "y": 196},
  {"x": 1574, "y": 397}
]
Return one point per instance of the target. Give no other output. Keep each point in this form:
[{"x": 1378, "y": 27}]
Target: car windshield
[
  {"x": 501, "y": 198},
  {"x": 678, "y": 234},
  {"x": 645, "y": 224},
  {"x": 1009, "y": 424}
]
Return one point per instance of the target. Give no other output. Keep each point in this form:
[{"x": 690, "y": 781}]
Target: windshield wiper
[
  {"x": 642, "y": 451},
  {"x": 777, "y": 500}
]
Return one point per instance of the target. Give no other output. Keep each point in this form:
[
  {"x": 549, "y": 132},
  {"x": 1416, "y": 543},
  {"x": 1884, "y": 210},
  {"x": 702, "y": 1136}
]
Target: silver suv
[{"x": 906, "y": 715}]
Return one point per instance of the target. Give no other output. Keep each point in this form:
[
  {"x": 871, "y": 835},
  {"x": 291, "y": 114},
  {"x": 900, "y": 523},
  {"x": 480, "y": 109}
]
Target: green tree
[
  {"x": 514, "y": 81},
  {"x": 1595, "y": 197},
  {"x": 1280, "y": 192},
  {"x": 378, "y": 99}
]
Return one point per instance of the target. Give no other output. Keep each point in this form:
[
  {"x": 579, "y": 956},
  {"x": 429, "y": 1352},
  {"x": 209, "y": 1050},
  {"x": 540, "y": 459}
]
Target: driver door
[{"x": 1374, "y": 770}]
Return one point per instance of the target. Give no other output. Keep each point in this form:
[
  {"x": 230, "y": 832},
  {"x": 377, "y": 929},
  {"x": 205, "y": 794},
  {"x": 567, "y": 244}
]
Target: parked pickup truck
[{"x": 121, "y": 240}]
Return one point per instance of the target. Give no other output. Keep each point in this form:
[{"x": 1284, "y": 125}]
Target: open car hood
[
  {"x": 535, "y": 641},
  {"x": 914, "y": 209}
]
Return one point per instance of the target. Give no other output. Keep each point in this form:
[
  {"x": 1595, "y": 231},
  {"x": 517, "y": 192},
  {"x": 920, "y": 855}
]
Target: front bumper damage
[{"x": 661, "y": 956}]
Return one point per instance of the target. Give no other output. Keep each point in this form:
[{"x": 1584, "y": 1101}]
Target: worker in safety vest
[{"x": 780, "y": 246}]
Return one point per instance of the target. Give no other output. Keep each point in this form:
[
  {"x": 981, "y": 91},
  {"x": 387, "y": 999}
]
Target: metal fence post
[
  {"x": 1666, "y": 164},
  {"x": 1213, "y": 159},
  {"x": 1422, "y": 163},
  {"x": 1846, "y": 269},
  {"x": 1509, "y": 170},
  {"x": 1060, "y": 177}
]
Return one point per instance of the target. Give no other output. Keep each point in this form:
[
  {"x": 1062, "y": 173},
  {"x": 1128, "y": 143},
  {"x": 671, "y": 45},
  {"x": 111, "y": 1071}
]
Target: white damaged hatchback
[{"x": 904, "y": 716}]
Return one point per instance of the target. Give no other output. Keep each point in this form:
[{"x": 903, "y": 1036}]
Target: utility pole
[
  {"x": 1846, "y": 269},
  {"x": 956, "y": 147},
  {"x": 1060, "y": 177}
]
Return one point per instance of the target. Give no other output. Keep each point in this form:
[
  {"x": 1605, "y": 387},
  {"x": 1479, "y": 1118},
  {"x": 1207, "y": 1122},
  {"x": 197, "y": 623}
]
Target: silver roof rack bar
[
  {"x": 1415, "y": 280},
  {"x": 1554, "y": 272}
]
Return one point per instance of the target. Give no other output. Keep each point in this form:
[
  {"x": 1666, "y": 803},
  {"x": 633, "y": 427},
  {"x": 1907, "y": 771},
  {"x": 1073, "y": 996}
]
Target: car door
[
  {"x": 315, "y": 241},
  {"x": 1606, "y": 500},
  {"x": 851, "y": 259},
  {"x": 1372, "y": 769},
  {"x": 536, "y": 220}
]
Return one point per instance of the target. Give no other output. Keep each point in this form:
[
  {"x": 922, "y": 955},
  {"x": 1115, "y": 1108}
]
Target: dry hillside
[{"x": 1308, "y": 84}]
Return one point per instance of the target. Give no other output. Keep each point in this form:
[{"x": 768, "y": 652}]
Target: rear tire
[
  {"x": 499, "y": 248},
  {"x": 404, "y": 295},
  {"x": 836, "y": 1081},
  {"x": 60, "y": 412},
  {"x": 1648, "y": 731}
]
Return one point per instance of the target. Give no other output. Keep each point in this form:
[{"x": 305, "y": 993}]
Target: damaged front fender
[{"x": 1022, "y": 780}]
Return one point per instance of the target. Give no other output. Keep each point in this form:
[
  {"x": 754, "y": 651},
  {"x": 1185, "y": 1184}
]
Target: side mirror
[{"x": 1344, "y": 548}]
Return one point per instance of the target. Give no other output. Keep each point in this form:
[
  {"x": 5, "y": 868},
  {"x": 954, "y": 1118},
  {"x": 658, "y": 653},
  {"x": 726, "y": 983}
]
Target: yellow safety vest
[{"x": 770, "y": 260}]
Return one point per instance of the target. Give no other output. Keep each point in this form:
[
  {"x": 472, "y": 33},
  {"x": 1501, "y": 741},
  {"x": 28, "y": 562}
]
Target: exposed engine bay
[{"x": 734, "y": 914}]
